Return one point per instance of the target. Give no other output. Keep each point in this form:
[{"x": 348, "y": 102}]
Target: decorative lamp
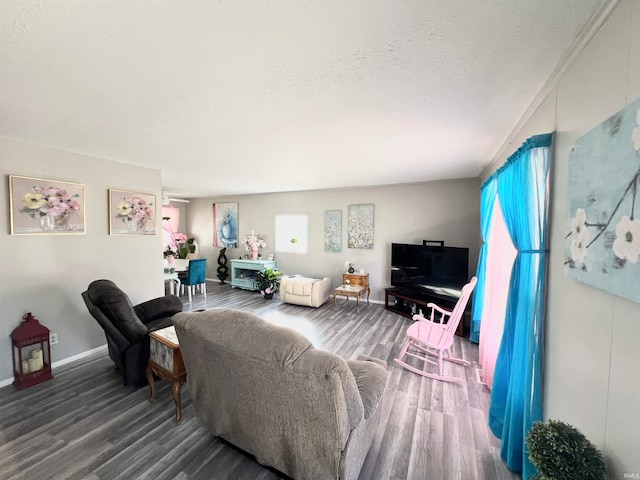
[{"x": 31, "y": 353}]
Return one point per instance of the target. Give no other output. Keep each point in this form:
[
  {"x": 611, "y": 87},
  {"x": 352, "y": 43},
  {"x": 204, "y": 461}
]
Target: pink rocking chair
[{"x": 434, "y": 337}]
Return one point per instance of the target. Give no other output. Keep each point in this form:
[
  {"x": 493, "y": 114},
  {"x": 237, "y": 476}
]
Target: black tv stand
[{"x": 407, "y": 302}]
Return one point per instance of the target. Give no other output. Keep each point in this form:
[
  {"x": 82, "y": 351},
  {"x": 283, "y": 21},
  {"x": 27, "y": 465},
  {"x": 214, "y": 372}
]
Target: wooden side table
[
  {"x": 165, "y": 360},
  {"x": 348, "y": 291},
  {"x": 358, "y": 280}
]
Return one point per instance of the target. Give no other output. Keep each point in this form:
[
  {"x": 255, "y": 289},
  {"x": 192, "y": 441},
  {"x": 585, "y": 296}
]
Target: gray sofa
[{"x": 264, "y": 388}]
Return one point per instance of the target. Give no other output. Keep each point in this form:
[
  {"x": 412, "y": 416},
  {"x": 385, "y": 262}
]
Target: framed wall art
[
  {"x": 360, "y": 226},
  {"x": 602, "y": 239},
  {"x": 40, "y": 206},
  {"x": 131, "y": 213},
  {"x": 333, "y": 231},
  {"x": 225, "y": 225}
]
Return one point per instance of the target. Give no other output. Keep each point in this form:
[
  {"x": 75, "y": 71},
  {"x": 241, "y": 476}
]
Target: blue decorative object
[{"x": 602, "y": 240}]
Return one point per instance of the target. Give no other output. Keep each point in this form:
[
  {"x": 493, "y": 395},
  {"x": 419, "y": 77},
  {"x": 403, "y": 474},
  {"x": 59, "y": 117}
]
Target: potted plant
[
  {"x": 559, "y": 450},
  {"x": 268, "y": 282},
  {"x": 185, "y": 245},
  {"x": 169, "y": 254}
]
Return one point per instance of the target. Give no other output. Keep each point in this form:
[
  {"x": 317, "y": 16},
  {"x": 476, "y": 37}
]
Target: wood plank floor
[{"x": 84, "y": 424}]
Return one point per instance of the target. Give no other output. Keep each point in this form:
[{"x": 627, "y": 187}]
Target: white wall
[
  {"x": 592, "y": 355},
  {"x": 445, "y": 210},
  {"x": 45, "y": 275}
]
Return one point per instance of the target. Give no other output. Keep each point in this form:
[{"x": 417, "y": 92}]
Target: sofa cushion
[
  {"x": 371, "y": 379},
  {"x": 257, "y": 338}
]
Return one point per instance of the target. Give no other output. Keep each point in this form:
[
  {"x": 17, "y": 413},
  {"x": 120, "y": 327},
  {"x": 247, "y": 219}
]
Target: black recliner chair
[{"x": 127, "y": 327}]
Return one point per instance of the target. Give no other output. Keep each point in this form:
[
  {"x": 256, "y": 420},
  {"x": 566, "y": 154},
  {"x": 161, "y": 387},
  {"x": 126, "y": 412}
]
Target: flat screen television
[{"x": 429, "y": 269}]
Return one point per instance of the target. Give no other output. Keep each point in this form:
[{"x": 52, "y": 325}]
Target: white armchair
[{"x": 299, "y": 290}]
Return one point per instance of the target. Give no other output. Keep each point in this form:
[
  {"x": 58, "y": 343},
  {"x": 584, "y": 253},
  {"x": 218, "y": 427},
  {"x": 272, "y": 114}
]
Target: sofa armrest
[
  {"x": 371, "y": 378},
  {"x": 159, "y": 307}
]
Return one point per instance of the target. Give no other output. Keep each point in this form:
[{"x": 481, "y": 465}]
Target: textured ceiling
[{"x": 250, "y": 96}]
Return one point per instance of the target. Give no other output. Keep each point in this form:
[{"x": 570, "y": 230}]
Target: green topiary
[{"x": 561, "y": 452}]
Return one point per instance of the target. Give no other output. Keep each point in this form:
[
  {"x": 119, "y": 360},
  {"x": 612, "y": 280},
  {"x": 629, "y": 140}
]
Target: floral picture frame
[
  {"x": 602, "y": 236},
  {"x": 40, "y": 206},
  {"x": 131, "y": 213},
  {"x": 360, "y": 226},
  {"x": 333, "y": 231}
]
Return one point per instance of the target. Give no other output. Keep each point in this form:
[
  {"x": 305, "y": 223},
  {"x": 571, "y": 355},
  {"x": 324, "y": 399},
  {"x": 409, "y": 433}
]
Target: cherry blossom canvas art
[{"x": 602, "y": 238}]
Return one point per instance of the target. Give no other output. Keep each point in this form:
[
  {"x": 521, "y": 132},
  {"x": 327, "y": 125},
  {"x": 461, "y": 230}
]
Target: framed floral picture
[
  {"x": 360, "y": 226},
  {"x": 602, "y": 236},
  {"x": 45, "y": 207},
  {"x": 131, "y": 213},
  {"x": 333, "y": 231}
]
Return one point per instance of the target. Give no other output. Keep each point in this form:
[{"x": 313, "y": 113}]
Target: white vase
[
  {"x": 137, "y": 226},
  {"x": 226, "y": 230},
  {"x": 51, "y": 223}
]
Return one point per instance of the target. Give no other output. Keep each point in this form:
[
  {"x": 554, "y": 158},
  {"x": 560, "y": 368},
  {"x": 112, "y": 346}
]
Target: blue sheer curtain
[
  {"x": 488, "y": 195},
  {"x": 516, "y": 396}
]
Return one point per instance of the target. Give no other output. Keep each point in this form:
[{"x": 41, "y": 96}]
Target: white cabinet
[{"x": 243, "y": 272}]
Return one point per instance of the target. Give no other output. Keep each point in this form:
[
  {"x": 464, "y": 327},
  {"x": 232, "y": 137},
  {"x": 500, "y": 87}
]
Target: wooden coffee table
[
  {"x": 165, "y": 360},
  {"x": 349, "y": 291}
]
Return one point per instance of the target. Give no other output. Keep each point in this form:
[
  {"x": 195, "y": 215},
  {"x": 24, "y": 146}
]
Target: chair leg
[
  {"x": 189, "y": 287},
  {"x": 439, "y": 376},
  {"x": 204, "y": 289}
]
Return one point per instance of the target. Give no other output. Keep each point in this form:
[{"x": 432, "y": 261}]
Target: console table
[
  {"x": 408, "y": 303},
  {"x": 243, "y": 272}
]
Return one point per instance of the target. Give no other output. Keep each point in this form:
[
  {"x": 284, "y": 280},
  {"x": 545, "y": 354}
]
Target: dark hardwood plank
[{"x": 84, "y": 424}]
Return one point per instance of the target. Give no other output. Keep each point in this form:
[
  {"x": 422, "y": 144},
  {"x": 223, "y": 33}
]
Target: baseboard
[{"x": 64, "y": 361}]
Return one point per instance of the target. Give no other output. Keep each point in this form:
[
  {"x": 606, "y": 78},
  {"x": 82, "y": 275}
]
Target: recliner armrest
[
  {"x": 371, "y": 379},
  {"x": 159, "y": 307}
]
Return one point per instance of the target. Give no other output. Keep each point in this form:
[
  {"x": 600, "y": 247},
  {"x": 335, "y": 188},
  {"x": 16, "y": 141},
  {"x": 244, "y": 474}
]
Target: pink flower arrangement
[
  {"x": 50, "y": 201},
  {"x": 253, "y": 242},
  {"x": 136, "y": 209}
]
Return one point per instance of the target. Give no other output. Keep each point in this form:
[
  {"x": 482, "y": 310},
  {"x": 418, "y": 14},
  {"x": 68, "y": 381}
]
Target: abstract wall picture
[
  {"x": 360, "y": 226},
  {"x": 333, "y": 231},
  {"x": 131, "y": 213},
  {"x": 225, "y": 225},
  {"x": 602, "y": 239},
  {"x": 45, "y": 207}
]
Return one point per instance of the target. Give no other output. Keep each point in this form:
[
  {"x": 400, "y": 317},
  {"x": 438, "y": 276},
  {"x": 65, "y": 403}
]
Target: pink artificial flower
[
  {"x": 50, "y": 191},
  {"x": 180, "y": 237}
]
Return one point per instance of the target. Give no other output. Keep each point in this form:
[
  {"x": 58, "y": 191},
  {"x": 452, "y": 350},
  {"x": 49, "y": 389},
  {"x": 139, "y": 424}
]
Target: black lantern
[{"x": 31, "y": 353}]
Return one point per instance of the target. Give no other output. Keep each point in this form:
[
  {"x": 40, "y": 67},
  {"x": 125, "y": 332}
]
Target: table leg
[
  {"x": 152, "y": 385},
  {"x": 357, "y": 304},
  {"x": 175, "y": 386},
  {"x": 368, "y": 293},
  {"x": 334, "y": 300}
]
